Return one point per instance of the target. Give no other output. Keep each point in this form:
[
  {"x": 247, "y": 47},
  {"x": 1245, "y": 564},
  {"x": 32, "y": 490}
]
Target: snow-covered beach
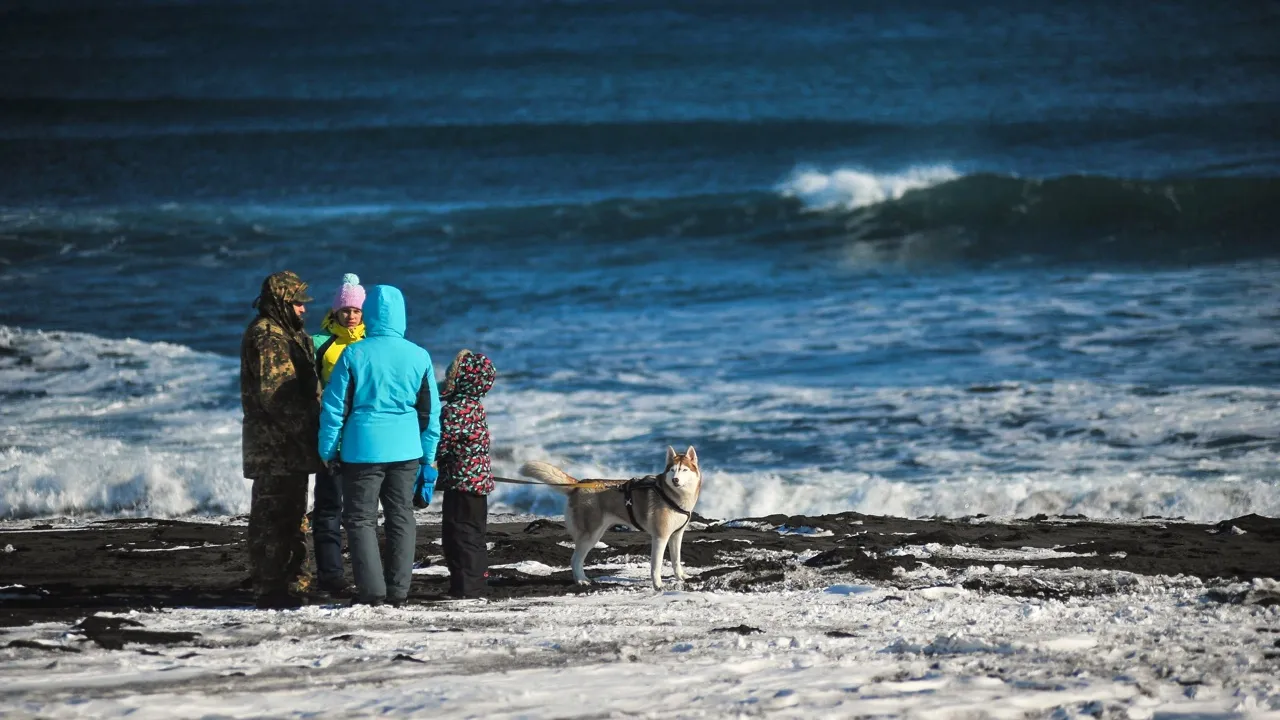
[
  {"x": 970, "y": 310},
  {"x": 834, "y": 616}
]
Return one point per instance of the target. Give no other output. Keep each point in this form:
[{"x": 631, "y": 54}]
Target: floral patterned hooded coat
[{"x": 463, "y": 454}]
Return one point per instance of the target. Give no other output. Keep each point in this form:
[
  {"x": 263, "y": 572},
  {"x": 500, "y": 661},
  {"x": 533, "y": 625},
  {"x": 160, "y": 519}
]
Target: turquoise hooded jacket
[{"x": 381, "y": 404}]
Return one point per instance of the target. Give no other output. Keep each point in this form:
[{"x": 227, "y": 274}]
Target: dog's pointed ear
[
  {"x": 691, "y": 455},
  {"x": 671, "y": 454}
]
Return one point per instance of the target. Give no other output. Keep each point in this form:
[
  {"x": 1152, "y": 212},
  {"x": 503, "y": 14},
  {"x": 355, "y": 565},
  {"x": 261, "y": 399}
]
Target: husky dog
[{"x": 660, "y": 505}]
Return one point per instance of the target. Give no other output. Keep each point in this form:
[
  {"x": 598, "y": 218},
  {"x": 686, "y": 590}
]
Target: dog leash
[{"x": 594, "y": 484}]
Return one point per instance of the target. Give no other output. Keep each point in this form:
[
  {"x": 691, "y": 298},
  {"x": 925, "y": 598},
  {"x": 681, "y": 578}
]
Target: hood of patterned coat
[
  {"x": 384, "y": 312},
  {"x": 276, "y": 298},
  {"x": 471, "y": 375}
]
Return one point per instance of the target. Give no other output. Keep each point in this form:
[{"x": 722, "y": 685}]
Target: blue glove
[{"x": 425, "y": 486}]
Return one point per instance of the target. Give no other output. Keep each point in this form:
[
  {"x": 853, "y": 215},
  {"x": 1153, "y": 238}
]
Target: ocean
[{"x": 906, "y": 258}]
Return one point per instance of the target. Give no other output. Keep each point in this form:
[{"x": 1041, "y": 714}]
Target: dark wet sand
[{"x": 69, "y": 574}]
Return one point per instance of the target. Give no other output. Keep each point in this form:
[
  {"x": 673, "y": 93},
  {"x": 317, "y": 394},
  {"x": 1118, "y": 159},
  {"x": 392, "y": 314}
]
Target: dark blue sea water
[{"x": 898, "y": 257}]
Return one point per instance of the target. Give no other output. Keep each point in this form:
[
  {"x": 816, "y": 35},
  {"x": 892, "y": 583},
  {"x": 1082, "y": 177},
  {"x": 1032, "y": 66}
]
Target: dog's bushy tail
[{"x": 549, "y": 474}]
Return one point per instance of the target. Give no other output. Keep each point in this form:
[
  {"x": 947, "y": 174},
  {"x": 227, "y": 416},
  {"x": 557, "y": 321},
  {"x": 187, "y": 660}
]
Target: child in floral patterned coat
[{"x": 466, "y": 475}]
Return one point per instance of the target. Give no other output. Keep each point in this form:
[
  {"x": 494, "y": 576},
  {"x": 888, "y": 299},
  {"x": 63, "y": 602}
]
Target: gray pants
[{"x": 363, "y": 486}]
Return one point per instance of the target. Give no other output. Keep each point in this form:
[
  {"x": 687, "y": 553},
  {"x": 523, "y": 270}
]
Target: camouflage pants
[{"x": 277, "y": 534}]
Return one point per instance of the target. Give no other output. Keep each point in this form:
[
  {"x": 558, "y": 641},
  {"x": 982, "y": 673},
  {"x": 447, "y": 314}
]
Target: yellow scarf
[{"x": 342, "y": 337}]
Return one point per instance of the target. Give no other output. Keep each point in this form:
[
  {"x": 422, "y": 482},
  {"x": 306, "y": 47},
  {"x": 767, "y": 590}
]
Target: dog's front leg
[
  {"x": 655, "y": 560},
  {"x": 677, "y": 538}
]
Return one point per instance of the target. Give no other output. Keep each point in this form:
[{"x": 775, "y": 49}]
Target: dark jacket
[
  {"x": 463, "y": 456},
  {"x": 279, "y": 391}
]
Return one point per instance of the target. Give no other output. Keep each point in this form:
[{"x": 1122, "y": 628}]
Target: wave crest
[
  {"x": 923, "y": 214},
  {"x": 848, "y": 189}
]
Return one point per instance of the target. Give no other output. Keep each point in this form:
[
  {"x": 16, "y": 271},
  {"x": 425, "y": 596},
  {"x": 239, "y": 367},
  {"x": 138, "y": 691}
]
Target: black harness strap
[
  {"x": 631, "y": 511},
  {"x": 688, "y": 515},
  {"x": 651, "y": 481}
]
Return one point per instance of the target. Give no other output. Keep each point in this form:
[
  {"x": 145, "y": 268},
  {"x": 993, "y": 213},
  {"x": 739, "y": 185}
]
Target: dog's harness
[{"x": 645, "y": 483}]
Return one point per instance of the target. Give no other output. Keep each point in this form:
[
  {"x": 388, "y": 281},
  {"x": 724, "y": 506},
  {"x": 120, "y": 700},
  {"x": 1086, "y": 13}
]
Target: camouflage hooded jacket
[{"x": 279, "y": 390}]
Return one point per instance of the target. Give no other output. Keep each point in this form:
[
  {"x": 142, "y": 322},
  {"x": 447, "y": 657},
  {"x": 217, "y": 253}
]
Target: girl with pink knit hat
[{"x": 343, "y": 326}]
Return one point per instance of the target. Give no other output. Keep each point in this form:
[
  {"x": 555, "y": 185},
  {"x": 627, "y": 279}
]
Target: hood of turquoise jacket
[{"x": 384, "y": 312}]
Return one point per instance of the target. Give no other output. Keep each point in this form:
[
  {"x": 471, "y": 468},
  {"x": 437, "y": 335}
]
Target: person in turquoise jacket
[{"x": 380, "y": 418}]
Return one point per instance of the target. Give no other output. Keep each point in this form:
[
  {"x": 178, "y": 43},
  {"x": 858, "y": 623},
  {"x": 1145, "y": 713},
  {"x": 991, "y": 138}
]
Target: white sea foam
[
  {"x": 116, "y": 427},
  {"x": 98, "y": 427},
  {"x": 1023, "y": 470},
  {"x": 849, "y": 189}
]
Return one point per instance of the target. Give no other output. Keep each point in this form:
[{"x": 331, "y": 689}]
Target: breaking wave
[
  {"x": 925, "y": 214},
  {"x": 852, "y": 189}
]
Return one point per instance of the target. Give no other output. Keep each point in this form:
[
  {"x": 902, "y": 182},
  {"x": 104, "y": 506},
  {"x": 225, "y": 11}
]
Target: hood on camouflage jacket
[
  {"x": 279, "y": 391},
  {"x": 463, "y": 456}
]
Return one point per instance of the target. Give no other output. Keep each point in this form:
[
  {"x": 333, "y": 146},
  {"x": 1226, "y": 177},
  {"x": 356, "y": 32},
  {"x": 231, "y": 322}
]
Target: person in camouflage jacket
[{"x": 279, "y": 392}]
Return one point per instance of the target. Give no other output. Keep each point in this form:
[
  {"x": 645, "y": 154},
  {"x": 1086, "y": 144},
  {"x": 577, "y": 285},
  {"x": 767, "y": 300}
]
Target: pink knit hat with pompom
[{"x": 350, "y": 294}]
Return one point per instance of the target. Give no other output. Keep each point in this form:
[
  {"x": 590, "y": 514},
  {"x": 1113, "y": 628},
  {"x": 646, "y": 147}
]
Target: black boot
[{"x": 337, "y": 589}]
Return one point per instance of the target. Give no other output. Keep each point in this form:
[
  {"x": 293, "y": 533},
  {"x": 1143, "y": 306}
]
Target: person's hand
[{"x": 425, "y": 486}]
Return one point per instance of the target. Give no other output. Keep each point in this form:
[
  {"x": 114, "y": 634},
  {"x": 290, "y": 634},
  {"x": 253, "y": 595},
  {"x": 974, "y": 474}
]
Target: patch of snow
[
  {"x": 748, "y": 525},
  {"x": 568, "y": 544},
  {"x": 530, "y": 567},
  {"x": 965, "y": 552},
  {"x": 1150, "y": 647},
  {"x": 171, "y": 549}
]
